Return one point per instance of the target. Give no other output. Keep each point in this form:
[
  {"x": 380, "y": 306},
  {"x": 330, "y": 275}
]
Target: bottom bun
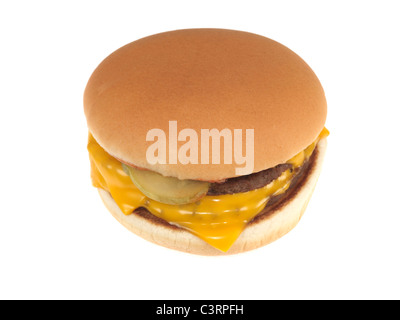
[{"x": 258, "y": 233}]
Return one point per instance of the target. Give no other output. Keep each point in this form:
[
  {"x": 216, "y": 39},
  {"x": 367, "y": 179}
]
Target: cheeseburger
[{"x": 208, "y": 141}]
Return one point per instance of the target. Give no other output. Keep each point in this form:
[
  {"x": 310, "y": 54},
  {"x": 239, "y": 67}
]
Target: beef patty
[
  {"x": 247, "y": 183},
  {"x": 274, "y": 202}
]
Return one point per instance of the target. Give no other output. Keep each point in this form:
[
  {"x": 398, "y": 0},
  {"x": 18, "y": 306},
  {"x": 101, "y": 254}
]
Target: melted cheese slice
[{"x": 218, "y": 220}]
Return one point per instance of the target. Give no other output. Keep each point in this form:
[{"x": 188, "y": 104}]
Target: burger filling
[{"x": 223, "y": 211}]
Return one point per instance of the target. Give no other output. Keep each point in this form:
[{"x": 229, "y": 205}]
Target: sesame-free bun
[
  {"x": 258, "y": 233},
  {"x": 205, "y": 79}
]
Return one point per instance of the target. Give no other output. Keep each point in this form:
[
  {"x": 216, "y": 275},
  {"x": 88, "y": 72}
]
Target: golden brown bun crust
[
  {"x": 257, "y": 234},
  {"x": 205, "y": 79}
]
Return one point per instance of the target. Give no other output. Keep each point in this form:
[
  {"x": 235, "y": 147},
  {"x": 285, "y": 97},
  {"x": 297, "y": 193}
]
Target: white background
[{"x": 57, "y": 240}]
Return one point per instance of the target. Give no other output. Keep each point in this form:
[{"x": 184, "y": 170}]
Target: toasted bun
[
  {"x": 205, "y": 79},
  {"x": 259, "y": 233}
]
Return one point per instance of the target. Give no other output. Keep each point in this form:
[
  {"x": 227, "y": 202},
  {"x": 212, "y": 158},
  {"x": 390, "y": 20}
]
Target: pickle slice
[{"x": 167, "y": 190}]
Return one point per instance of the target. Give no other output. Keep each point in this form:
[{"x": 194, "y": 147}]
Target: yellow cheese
[{"x": 218, "y": 220}]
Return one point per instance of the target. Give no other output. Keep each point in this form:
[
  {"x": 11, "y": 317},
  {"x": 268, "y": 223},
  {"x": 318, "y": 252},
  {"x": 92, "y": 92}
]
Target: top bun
[{"x": 205, "y": 79}]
